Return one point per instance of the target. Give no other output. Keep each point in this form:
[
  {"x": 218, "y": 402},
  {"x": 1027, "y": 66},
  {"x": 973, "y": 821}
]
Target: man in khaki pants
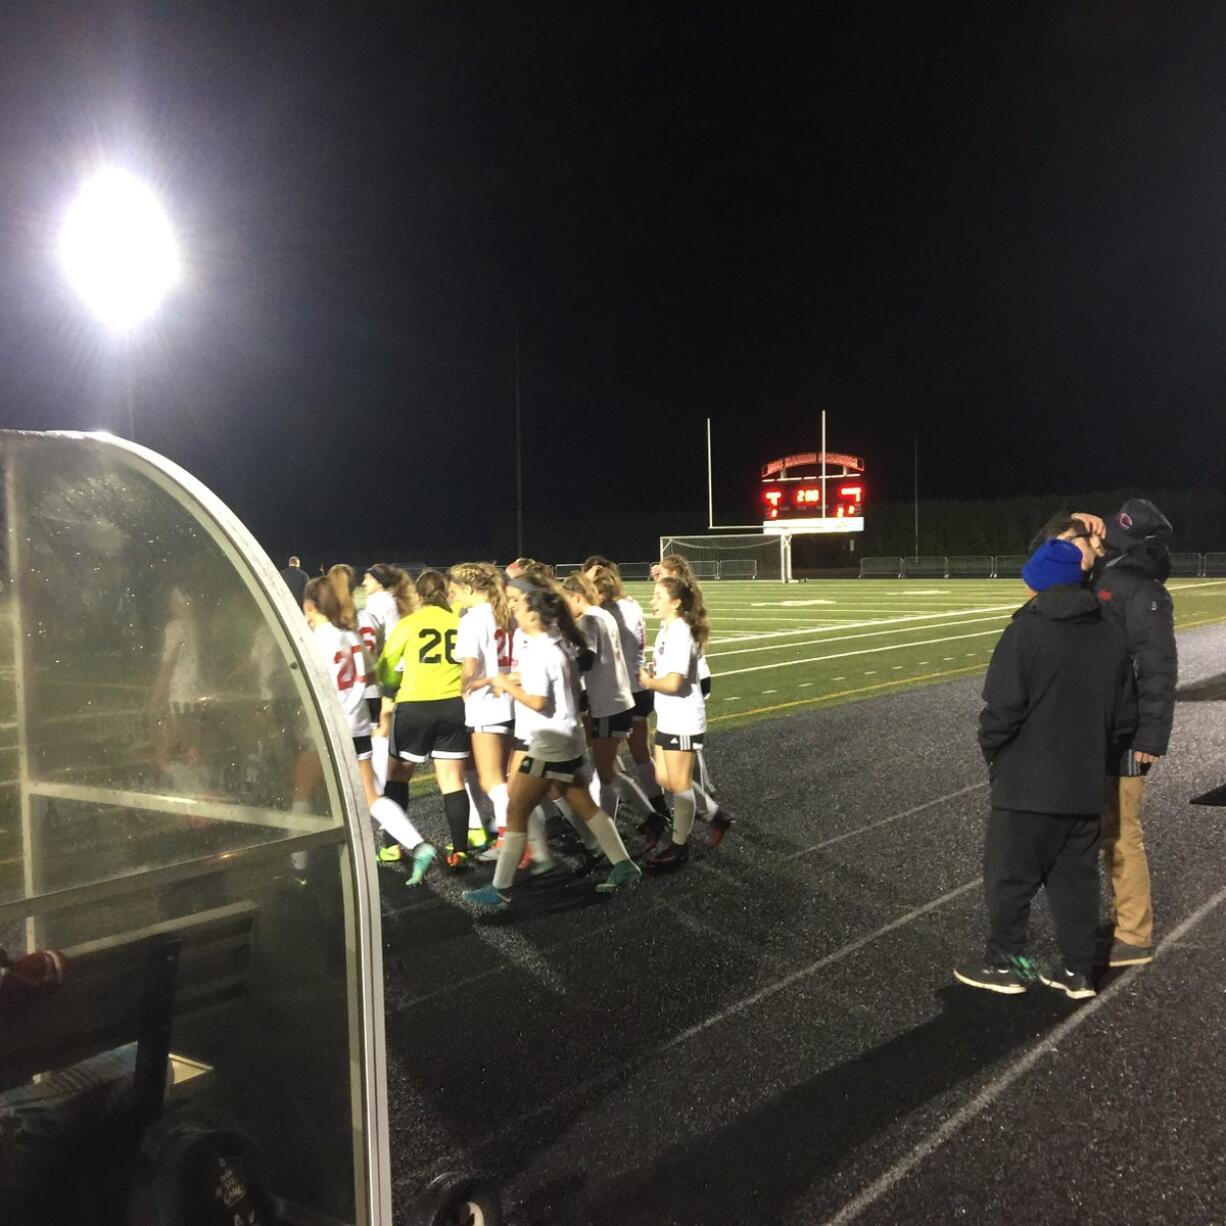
[{"x": 1131, "y": 588}]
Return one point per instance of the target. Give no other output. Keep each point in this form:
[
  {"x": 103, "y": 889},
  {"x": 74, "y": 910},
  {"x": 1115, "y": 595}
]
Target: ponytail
[
  {"x": 581, "y": 585},
  {"x": 432, "y": 589},
  {"x": 396, "y": 583},
  {"x": 693, "y": 611},
  {"x": 341, "y": 578},
  {"x": 320, "y": 592},
  {"x": 487, "y": 580}
]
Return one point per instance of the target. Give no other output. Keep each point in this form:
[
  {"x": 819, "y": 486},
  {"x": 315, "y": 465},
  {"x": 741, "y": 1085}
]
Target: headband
[{"x": 524, "y": 585}]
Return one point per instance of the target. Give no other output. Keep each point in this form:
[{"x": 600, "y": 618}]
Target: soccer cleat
[
  {"x": 994, "y": 975},
  {"x": 624, "y": 875},
  {"x": 423, "y": 857},
  {"x": 486, "y": 896},
  {"x": 538, "y": 868},
  {"x": 1123, "y": 954},
  {"x": 1074, "y": 984},
  {"x": 667, "y": 858},
  {"x": 721, "y": 823},
  {"x": 392, "y": 854},
  {"x": 490, "y": 854},
  {"x": 477, "y": 836},
  {"x": 525, "y": 861},
  {"x": 457, "y": 862},
  {"x": 652, "y": 830}
]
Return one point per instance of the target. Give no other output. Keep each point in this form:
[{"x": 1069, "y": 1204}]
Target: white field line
[
  {"x": 1046, "y": 1046},
  {"x": 863, "y": 651},
  {"x": 851, "y": 638}
]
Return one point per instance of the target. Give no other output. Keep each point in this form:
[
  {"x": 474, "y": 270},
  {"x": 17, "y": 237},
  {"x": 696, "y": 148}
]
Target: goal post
[{"x": 736, "y": 556}]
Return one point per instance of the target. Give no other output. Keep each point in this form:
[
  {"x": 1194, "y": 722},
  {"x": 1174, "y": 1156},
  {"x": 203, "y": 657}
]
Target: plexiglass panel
[{"x": 165, "y": 759}]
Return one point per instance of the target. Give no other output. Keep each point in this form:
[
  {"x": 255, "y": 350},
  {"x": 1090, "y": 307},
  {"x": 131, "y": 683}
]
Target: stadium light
[{"x": 118, "y": 250}]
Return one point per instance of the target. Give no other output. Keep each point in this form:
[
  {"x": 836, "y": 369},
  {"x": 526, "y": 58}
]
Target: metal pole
[
  {"x": 915, "y": 439},
  {"x": 710, "y": 485},
  {"x": 519, "y": 459},
  {"x": 825, "y": 502}
]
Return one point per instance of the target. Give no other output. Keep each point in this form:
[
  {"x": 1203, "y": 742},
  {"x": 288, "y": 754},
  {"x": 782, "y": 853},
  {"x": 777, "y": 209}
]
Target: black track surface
[{"x": 773, "y": 1035}]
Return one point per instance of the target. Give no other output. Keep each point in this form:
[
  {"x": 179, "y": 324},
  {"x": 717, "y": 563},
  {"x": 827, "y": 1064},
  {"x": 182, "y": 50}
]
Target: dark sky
[{"x": 1003, "y": 226}]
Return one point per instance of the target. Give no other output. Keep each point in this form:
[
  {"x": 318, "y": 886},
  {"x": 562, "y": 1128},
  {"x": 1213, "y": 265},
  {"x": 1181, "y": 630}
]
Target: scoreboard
[{"x": 795, "y": 498}]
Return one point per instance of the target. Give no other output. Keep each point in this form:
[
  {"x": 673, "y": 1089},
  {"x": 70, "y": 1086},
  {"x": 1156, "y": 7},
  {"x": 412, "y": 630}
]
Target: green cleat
[
  {"x": 423, "y": 857},
  {"x": 392, "y": 854},
  {"x": 625, "y": 874}
]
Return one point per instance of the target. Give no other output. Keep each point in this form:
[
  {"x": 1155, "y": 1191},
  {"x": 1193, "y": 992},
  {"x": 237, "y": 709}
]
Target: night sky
[{"x": 1003, "y": 227}]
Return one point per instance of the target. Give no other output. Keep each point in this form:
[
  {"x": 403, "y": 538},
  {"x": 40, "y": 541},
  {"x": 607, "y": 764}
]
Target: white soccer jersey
[
  {"x": 384, "y": 613},
  {"x": 480, "y": 638},
  {"x": 628, "y": 614},
  {"x": 685, "y": 712},
  {"x": 341, "y": 652},
  {"x": 369, "y": 635},
  {"x": 704, "y": 669},
  {"x": 547, "y": 669},
  {"x": 607, "y": 682}
]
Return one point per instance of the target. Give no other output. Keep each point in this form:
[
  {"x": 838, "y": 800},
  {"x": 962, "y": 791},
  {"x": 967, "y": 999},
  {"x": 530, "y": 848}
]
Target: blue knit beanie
[{"x": 1054, "y": 561}]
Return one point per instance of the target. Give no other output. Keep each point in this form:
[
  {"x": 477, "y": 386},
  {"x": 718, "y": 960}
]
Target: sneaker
[
  {"x": 721, "y": 823},
  {"x": 490, "y": 854},
  {"x": 625, "y": 874},
  {"x": 1010, "y": 976},
  {"x": 423, "y": 857},
  {"x": 457, "y": 862},
  {"x": 667, "y": 858},
  {"x": 392, "y": 854},
  {"x": 486, "y": 896},
  {"x": 1123, "y": 954},
  {"x": 1073, "y": 984}
]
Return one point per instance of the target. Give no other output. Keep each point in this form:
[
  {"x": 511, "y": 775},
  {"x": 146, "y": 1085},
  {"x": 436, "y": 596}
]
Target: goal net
[{"x": 750, "y": 556}]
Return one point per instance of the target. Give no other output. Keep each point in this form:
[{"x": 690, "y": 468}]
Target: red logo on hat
[{"x": 1125, "y": 520}]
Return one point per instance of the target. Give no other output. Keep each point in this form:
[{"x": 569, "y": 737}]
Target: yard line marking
[
  {"x": 864, "y": 689},
  {"x": 897, "y": 667},
  {"x": 947, "y": 614},
  {"x": 885, "y": 821},
  {"x": 776, "y": 634},
  {"x": 838, "y": 678},
  {"x": 870, "y": 672},
  {"x": 863, "y": 651},
  {"x": 804, "y": 684},
  {"x": 1019, "y": 1068},
  {"x": 946, "y": 659},
  {"x": 770, "y": 691}
]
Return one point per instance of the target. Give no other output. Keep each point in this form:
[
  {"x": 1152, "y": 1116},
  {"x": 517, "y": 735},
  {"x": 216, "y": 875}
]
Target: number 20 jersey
[
  {"x": 419, "y": 661},
  {"x": 341, "y": 653}
]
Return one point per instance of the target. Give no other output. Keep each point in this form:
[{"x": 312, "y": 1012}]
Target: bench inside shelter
[{"x": 131, "y": 988}]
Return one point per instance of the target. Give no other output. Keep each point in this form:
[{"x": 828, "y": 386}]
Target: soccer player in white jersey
[
  {"x": 342, "y": 654},
  {"x": 673, "y": 564},
  {"x": 681, "y": 715},
  {"x": 606, "y": 685},
  {"x": 389, "y": 597},
  {"x": 628, "y": 614},
  {"x": 484, "y": 649},
  {"x": 547, "y": 688}
]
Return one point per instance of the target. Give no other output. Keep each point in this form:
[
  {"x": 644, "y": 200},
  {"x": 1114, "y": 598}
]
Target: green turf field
[{"x": 778, "y": 648}]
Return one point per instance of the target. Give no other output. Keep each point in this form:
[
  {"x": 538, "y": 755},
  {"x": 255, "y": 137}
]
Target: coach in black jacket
[
  {"x": 1132, "y": 590},
  {"x": 1059, "y": 706}
]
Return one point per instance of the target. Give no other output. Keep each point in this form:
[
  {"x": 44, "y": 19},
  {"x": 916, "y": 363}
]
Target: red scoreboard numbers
[{"x": 789, "y": 499}]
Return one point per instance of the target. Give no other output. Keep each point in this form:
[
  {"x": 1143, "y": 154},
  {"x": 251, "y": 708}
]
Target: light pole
[{"x": 119, "y": 253}]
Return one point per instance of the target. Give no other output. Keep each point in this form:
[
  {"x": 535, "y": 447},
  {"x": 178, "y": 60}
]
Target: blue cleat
[
  {"x": 486, "y": 896},
  {"x": 625, "y": 874}
]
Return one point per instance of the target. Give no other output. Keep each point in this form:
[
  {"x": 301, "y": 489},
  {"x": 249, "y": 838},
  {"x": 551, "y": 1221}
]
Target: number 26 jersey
[{"x": 419, "y": 662}]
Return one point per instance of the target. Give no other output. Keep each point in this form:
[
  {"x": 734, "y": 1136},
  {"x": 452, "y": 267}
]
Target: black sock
[
  {"x": 398, "y": 790},
  {"x": 455, "y": 806}
]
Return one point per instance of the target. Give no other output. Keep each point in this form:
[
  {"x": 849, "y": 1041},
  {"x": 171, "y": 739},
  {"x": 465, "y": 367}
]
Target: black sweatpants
[{"x": 1060, "y": 851}]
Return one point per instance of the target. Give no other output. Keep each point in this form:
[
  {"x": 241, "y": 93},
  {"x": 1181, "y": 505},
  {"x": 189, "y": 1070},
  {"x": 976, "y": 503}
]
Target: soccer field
[{"x": 778, "y": 647}]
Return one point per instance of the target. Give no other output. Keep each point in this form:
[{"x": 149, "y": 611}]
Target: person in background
[
  {"x": 1131, "y": 588},
  {"x": 1059, "y": 703},
  {"x": 295, "y": 578}
]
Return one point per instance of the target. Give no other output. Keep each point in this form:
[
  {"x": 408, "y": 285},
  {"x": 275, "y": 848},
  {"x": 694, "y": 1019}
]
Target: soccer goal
[{"x": 747, "y": 556}]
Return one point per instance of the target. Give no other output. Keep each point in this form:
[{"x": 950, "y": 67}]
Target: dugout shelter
[{"x": 181, "y": 814}]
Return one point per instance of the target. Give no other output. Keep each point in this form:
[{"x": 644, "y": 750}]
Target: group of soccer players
[{"x": 521, "y": 688}]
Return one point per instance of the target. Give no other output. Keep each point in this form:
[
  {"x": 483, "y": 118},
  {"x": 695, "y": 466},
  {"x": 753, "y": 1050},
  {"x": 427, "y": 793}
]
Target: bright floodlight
[{"x": 118, "y": 249}]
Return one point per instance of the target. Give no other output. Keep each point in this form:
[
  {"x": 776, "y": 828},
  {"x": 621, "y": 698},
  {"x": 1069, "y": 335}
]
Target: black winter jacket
[
  {"x": 1132, "y": 590},
  {"x": 1060, "y": 705}
]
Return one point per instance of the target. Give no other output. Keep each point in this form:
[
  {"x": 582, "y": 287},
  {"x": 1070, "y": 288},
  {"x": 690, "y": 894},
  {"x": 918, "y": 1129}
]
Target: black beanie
[{"x": 1136, "y": 521}]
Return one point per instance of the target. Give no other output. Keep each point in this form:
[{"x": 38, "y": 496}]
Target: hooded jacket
[
  {"x": 1059, "y": 705},
  {"x": 1131, "y": 589}
]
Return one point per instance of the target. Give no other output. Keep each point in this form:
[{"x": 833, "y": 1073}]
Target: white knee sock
[
  {"x": 704, "y": 803},
  {"x": 647, "y": 776},
  {"x": 396, "y": 822},
  {"x": 683, "y": 815},
  {"x": 477, "y": 801},
  {"x": 536, "y": 836},
  {"x": 498, "y": 798},
  {"x": 509, "y": 856},
  {"x": 630, "y": 791},
  {"x": 701, "y": 774},
  {"x": 606, "y": 799},
  {"x": 605, "y": 833},
  {"x": 593, "y": 786}
]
